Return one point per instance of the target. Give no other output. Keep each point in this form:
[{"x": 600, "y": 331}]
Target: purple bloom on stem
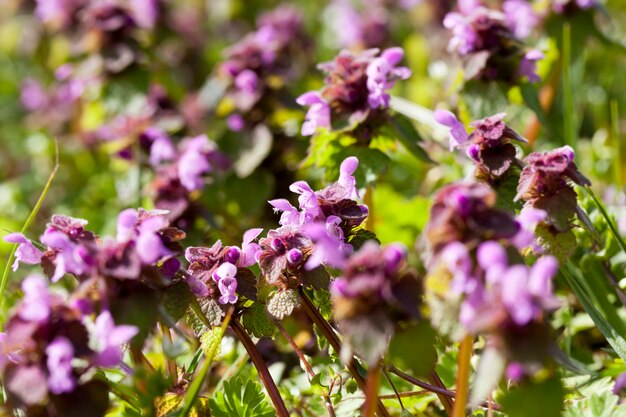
[
  {"x": 198, "y": 288},
  {"x": 290, "y": 214},
  {"x": 145, "y": 12},
  {"x": 346, "y": 179},
  {"x": 318, "y": 115},
  {"x": 620, "y": 383},
  {"x": 330, "y": 248},
  {"x": 26, "y": 252},
  {"x": 247, "y": 81},
  {"x": 382, "y": 74},
  {"x": 526, "y": 291},
  {"x": 224, "y": 275},
  {"x": 235, "y": 122},
  {"x": 110, "y": 338},
  {"x": 492, "y": 258},
  {"x": 37, "y": 302},
  {"x": 457, "y": 260},
  {"x": 527, "y": 66},
  {"x": 515, "y": 371},
  {"x": 458, "y": 134},
  {"x": 520, "y": 17},
  {"x": 162, "y": 148},
  {"x": 249, "y": 249},
  {"x": 149, "y": 243},
  {"x": 33, "y": 96},
  {"x": 528, "y": 219},
  {"x": 70, "y": 257},
  {"x": 60, "y": 353}
]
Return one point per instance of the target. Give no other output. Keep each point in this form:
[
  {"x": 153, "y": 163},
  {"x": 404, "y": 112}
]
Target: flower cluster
[
  {"x": 488, "y": 145},
  {"x": 53, "y": 107},
  {"x": 358, "y": 29},
  {"x": 49, "y": 348},
  {"x": 324, "y": 217},
  {"x": 357, "y": 89},
  {"x": 105, "y": 26},
  {"x": 181, "y": 170},
  {"x": 545, "y": 184},
  {"x": 465, "y": 212},
  {"x": 374, "y": 292},
  {"x": 145, "y": 243},
  {"x": 488, "y": 45},
  {"x": 220, "y": 272},
  {"x": 261, "y": 63},
  {"x": 505, "y": 300}
]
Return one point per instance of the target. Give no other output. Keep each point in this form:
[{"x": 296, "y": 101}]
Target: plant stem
[
  {"x": 434, "y": 379},
  {"x": 395, "y": 390},
  {"x": 371, "y": 390},
  {"x": 261, "y": 367},
  {"x": 170, "y": 364},
  {"x": 462, "y": 377},
  {"x": 306, "y": 364},
  {"x": 432, "y": 388},
  {"x": 334, "y": 341}
]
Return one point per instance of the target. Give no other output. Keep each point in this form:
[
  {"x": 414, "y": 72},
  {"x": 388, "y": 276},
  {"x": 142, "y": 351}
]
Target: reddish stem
[{"x": 261, "y": 366}]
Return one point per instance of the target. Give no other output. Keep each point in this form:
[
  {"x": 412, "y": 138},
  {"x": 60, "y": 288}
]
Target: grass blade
[{"x": 29, "y": 220}]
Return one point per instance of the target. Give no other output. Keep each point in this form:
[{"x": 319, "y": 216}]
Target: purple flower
[
  {"x": 290, "y": 215},
  {"x": 520, "y": 17},
  {"x": 527, "y": 66},
  {"x": 527, "y": 291},
  {"x": 69, "y": 257},
  {"x": 247, "y": 82},
  {"x": 145, "y": 12},
  {"x": 110, "y": 338},
  {"x": 458, "y": 134},
  {"x": 457, "y": 259},
  {"x": 620, "y": 383},
  {"x": 194, "y": 164},
  {"x": 528, "y": 219},
  {"x": 198, "y": 288},
  {"x": 150, "y": 246},
  {"x": 60, "y": 353},
  {"x": 330, "y": 248},
  {"x": 318, "y": 115},
  {"x": 26, "y": 252},
  {"x": 346, "y": 179},
  {"x": 162, "y": 148},
  {"x": 249, "y": 249},
  {"x": 57, "y": 13},
  {"x": 33, "y": 96},
  {"x": 236, "y": 122},
  {"x": 37, "y": 302},
  {"x": 382, "y": 74},
  {"x": 225, "y": 275}
]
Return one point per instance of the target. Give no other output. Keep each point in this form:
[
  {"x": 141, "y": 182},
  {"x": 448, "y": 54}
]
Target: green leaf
[
  {"x": 597, "y": 405},
  {"x": 358, "y": 236},
  {"x": 257, "y": 322},
  {"x": 531, "y": 98},
  {"x": 616, "y": 340},
  {"x": 239, "y": 400},
  {"x": 414, "y": 348},
  {"x": 409, "y": 137},
  {"x": 543, "y": 399},
  {"x": 176, "y": 299},
  {"x": 283, "y": 303}
]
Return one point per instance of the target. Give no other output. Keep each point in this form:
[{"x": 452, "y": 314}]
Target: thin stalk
[
  {"x": 30, "y": 219},
  {"x": 608, "y": 219},
  {"x": 334, "y": 341},
  {"x": 371, "y": 390},
  {"x": 434, "y": 379},
  {"x": 433, "y": 389},
  {"x": 462, "y": 377},
  {"x": 399, "y": 395},
  {"x": 569, "y": 130},
  {"x": 170, "y": 364},
  {"x": 194, "y": 388},
  {"x": 261, "y": 366},
  {"x": 393, "y": 387},
  {"x": 620, "y": 177},
  {"x": 307, "y": 366}
]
